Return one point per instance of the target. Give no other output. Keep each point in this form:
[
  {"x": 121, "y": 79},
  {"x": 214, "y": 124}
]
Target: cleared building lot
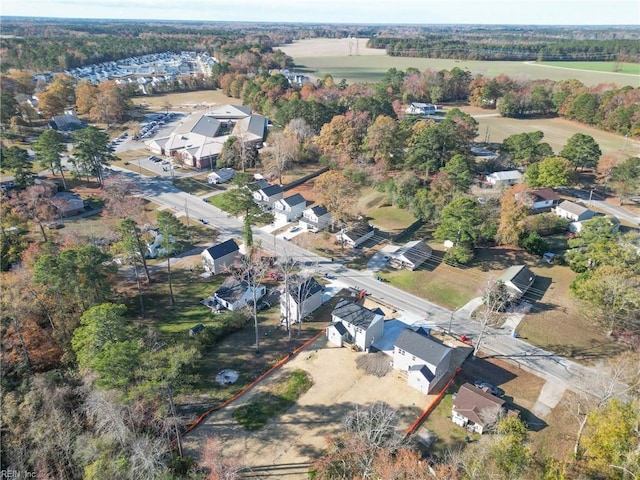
[{"x": 287, "y": 444}]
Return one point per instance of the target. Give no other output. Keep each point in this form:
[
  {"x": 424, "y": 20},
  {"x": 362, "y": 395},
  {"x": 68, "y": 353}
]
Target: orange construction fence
[
  {"x": 252, "y": 384},
  {"x": 433, "y": 404}
]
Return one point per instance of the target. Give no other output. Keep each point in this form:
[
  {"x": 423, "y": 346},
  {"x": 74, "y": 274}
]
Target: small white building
[
  {"x": 356, "y": 235},
  {"x": 411, "y": 255},
  {"x": 234, "y": 294},
  {"x": 267, "y": 196},
  {"x": 573, "y": 212},
  {"x": 417, "y": 108},
  {"x": 221, "y": 176},
  {"x": 518, "y": 279},
  {"x": 504, "y": 179},
  {"x": 289, "y": 208}
]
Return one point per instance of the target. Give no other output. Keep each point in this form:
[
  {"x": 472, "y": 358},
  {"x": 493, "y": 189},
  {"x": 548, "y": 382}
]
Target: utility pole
[{"x": 450, "y": 321}]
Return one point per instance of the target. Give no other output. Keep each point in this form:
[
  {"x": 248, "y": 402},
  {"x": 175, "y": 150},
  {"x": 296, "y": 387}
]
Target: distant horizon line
[{"x": 303, "y": 22}]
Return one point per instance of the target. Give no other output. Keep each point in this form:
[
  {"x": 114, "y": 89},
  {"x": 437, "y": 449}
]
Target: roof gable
[
  {"x": 518, "y": 275},
  {"x": 223, "y": 249},
  {"x": 354, "y": 314},
  {"x": 421, "y": 346},
  {"x": 573, "y": 208},
  {"x": 302, "y": 289},
  {"x": 470, "y": 401}
]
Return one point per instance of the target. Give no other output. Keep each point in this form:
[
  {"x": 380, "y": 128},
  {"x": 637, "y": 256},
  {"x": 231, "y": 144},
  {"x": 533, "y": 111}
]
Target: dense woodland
[{"x": 87, "y": 391}]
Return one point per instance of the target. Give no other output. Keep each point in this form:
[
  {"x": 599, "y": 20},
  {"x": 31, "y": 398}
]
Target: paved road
[{"x": 498, "y": 343}]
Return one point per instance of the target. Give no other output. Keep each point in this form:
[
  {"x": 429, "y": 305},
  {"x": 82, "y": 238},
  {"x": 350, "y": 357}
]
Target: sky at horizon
[{"x": 505, "y": 12}]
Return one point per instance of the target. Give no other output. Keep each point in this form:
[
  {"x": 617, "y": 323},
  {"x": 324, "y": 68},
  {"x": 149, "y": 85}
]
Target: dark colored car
[{"x": 498, "y": 392}]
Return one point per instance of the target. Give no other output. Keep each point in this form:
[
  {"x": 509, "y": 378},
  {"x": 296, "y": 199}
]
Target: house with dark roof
[
  {"x": 234, "y": 294},
  {"x": 221, "y": 176},
  {"x": 66, "y": 123},
  {"x": 424, "y": 359},
  {"x": 542, "y": 199},
  {"x": 68, "y": 204},
  {"x": 411, "y": 255},
  {"x": 356, "y": 235},
  {"x": 268, "y": 195},
  {"x": 289, "y": 208},
  {"x": 517, "y": 279},
  {"x": 303, "y": 296},
  {"x": 573, "y": 212},
  {"x": 354, "y": 324},
  {"x": 219, "y": 258},
  {"x": 315, "y": 219},
  {"x": 475, "y": 408}
]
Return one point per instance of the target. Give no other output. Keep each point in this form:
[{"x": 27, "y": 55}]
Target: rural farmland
[{"x": 343, "y": 58}]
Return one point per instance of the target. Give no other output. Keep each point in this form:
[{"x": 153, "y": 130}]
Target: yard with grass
[
  {"x": 266, "y": 405},
  {"x": 522, "y": 390}
]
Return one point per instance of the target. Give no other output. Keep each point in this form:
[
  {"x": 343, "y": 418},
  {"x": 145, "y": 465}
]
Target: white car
[{"x": 294, "y": 229}]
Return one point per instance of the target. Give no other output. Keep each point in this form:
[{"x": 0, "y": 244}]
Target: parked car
[
  {"x": 294, "y": 229},
  {"x": 498, "y": 392}
]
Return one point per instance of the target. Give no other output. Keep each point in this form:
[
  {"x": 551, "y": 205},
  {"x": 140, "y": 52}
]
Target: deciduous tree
[
  {"x": 526, "y": 148},
  {"x": 336, "y": 193},
  {"x": 550, "y": 172}
]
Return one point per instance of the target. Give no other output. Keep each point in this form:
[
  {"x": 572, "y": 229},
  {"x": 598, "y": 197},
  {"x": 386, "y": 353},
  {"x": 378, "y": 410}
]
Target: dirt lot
[
  {"x": 338, "y": 386},
  {"x": 185, "y": 100}
]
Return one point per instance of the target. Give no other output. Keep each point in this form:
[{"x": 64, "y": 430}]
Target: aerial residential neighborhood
[{"x": 278, "y": 249}]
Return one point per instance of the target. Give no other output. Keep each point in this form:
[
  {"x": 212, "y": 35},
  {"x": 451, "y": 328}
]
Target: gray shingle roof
[
  {"x": 573, "y": 208},
  {"x": 355, "y": 314},
  {"x": 421, "y": 346},
  {"x": 520, "y": 276},
  {"x": 232, "y": 290},
  {"x": 301, "y": 289},
  {"x": 222, "y": 249}
]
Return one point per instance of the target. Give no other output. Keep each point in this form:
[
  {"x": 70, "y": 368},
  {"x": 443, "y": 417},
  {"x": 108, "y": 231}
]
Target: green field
[
  {"x": 606, "y": 67},
  {"x": 321, "y": 56}
]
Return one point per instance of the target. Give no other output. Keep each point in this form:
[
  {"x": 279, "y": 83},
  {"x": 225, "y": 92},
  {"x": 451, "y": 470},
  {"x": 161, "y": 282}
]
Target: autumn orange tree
[
  {"x": 515, "y": 205},
  {"x": 337, "y": 193}
]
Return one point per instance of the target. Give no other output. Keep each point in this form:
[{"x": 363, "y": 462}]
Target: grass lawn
[
  {"x": 265, "y": 405},
  {"x": 437, "y": 282},
  {"x": 195, "y": 185}
]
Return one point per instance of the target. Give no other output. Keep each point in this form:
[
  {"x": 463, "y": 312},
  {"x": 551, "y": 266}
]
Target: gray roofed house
[
  {"x": 290, "y": 208},
  {"x": 424, "y": 359},
  {"x": 356, "y": 235},
  {"x": 504, "y": 178},
  {"x": 267, "y": 196},
  {"x": 573, "y": 212},
  {"x": 315, "y": 219},
  {"x": 363, "y": 326},
  {"x": 411, "y": 255},
  {"x": 220, "y": 257},
  {"x": 303, "y": 296},
  {"x": 234, "y": 294},
  {"x": 518, "y": 279},
  {"x": 474, "y": 408}
]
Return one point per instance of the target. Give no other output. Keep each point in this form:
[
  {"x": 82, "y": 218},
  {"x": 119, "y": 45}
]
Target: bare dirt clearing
[
  {"x": 287, "y": 445},
  {"x": 185, "y": 100}
]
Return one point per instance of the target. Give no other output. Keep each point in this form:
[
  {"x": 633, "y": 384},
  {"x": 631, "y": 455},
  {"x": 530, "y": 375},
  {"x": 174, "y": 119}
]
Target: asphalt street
[{"x": 498, "y": 343}]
